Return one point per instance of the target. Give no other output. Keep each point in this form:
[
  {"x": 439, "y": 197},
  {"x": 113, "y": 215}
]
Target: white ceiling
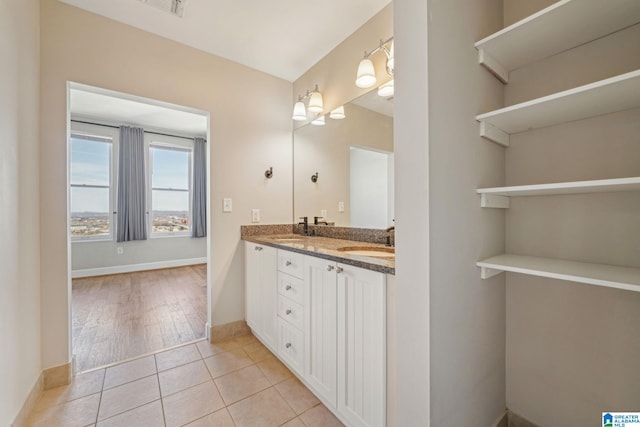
[
  {"x": 101, "y": 106},
  {"x": 283, "y": 38}
]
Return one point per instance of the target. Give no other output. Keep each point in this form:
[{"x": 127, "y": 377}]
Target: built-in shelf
[
  {"x": 498, "y": 197},
  {"x": 611, "y": 95},
  {"x": 559, "y": 27},
  {"x": 593, "y": 274}
]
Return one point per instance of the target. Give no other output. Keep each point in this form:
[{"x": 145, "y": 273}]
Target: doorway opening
[{"x": 137, "y": 213}]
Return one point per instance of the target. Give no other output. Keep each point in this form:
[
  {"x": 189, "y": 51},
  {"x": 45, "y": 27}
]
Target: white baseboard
[{"x": 90, "y": 272}]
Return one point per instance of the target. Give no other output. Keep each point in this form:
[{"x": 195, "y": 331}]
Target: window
[
  {"x": 91, "y": 182},
  {"x": 170, "y": 168}
]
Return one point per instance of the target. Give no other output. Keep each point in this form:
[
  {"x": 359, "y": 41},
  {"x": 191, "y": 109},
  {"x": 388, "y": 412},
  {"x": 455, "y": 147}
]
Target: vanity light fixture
[
  {"x": 338, "y": 113},
  {"x": 318, "y": 121},
  {"x": 366, "y": 76},
  {"x": 386, "y": 90},
  {"x": 315, "y": 104}
]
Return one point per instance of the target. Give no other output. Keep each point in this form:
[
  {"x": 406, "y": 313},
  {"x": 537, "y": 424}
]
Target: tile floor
[{"x": 237, "y": 382}]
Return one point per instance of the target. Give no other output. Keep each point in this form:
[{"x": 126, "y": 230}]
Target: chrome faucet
[
  {"x": 305, "y": 222},
  {"x": 390, "y": 230}
]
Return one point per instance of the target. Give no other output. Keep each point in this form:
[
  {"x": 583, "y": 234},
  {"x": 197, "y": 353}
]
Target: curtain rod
[{"x": 118, "y": 127}]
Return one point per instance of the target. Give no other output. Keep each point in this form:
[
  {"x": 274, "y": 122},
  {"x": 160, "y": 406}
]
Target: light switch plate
[
  {"x": 227, "y": 205},
  {"x": 255, "y": 215},
  {"x": 340, "y": 206}
]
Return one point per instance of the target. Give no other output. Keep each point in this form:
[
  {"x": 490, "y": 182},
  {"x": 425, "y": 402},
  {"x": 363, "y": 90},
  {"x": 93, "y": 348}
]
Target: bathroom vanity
[{"x": 320, "y": 305}]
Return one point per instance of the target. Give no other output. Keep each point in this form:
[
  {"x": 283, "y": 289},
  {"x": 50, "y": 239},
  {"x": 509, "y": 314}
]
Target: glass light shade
[
  {"x": 390, "y": 60},
  {"x": 386, "y": 90},
  {"x": 338, "y": 113},
  {"x": 366, "y": 74},
  {"x": 315, "y": 102},
  {"x": 299, "y": 111},
  {"x": 318, "y": 121}
]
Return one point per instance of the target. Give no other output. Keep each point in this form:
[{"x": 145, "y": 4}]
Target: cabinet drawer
[
  {"x": 291, "y": 312},
  {"x": 291, "y": 263},
  {"x": 290, "y": 345},
  {"x": 291, "y": 287}
]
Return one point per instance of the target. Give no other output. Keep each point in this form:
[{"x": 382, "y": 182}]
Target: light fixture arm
[{"x": 381, "y": 47}]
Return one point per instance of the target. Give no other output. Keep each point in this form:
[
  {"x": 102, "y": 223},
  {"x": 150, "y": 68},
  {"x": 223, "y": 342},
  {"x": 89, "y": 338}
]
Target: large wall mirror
[{"x": 343, "y": 171}]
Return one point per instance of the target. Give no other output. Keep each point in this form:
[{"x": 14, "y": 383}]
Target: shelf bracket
[
  {"x": 494, "y": 134},
  {"x": 494, "y": 67},
  {"x": 493, "y": 201},
  {"x": 486, "y": 272}
]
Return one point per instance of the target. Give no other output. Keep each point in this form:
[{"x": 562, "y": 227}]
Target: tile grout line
[{"x": 164, "y": 416}]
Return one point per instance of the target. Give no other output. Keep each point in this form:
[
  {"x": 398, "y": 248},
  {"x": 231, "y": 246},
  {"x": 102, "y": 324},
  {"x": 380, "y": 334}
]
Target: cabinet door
[
  {"x": 321, "y": 327},
  {"x": 269, "y": 296},
  {"x": 261, "y": 290},
  {"x": 253, "y": 273},
  {"x": 361, "y": 346},
  {"x": 290, "y": 345}
]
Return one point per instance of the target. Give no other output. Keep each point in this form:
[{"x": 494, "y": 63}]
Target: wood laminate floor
[{"x": 121, "y": 316}]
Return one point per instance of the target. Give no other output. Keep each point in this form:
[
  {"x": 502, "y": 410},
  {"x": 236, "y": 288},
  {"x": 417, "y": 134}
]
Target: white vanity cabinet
[
  {"x": 362, "y": 347},
  {"x": 290, "y": 310},
  {"x": 261, "y": 292},
  {"x": 321, "y": 322},
  {"x": 345, "y": 344},
  {"x": 327, "y": 322}
]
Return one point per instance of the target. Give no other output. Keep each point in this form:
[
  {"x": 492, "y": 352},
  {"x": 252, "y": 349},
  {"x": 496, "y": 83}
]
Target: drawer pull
[
  {"x": 339, "y": 270},
  {"x": 258, "y": 248},
  {"x": 288, "y": 263},
  {"x": 288, "y": 311},
  {"x": 330, "y": 267},
  {"x": 287, "y": 288},
  {"x": 288, "y": 345}
]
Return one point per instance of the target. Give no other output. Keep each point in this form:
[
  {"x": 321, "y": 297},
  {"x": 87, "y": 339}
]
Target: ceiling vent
[{"x": 175, "y": 7}]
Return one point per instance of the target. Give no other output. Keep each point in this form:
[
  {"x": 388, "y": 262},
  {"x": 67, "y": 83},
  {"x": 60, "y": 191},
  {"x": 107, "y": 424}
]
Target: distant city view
[{"x": 96, "y": 224}]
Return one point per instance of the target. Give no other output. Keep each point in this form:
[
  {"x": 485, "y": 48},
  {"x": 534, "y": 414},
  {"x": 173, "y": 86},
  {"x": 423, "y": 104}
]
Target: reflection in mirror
[{"x": 353, "y": 159}]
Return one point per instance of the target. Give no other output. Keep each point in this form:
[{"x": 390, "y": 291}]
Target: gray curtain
[
  {"x": 131, "y": 218},
  {"x": 199, "y": 197}
]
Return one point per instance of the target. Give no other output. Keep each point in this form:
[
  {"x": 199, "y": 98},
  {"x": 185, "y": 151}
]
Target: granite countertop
[{"x": 327, "y": 248}]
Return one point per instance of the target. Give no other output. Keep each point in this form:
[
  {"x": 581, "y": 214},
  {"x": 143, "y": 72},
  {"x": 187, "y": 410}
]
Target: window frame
[
  {"x": 79, "y": 130},
  {"x": 166, "y": 142}
]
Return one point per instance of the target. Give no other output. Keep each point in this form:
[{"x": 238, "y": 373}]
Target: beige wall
[
  {"x": 572, "y": 349},
  {"x": 325, "y": 149},
  {"x": 336, "y": 73},
  {"x": 19, "y": 207},
  {"x": 467, "y": 313},
  {"x": 250, "y": 131}
]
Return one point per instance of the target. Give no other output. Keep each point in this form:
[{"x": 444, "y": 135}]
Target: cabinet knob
[
  {"x": 288, "y": 263},
  {"x": 287, "y": 345},
  {"x": 258, "y": 248},
  {"x": 339, "y": 270},
  {"x": 288, "y": 311},
  {"x": 287, "y": 288},
  {"x": 330, "y": 267}
]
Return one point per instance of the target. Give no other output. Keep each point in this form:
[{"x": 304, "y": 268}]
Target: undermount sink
[{"x": 372, "y": 251}]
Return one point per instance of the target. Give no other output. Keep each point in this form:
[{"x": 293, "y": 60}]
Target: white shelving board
[
  {"x": 559, "y": 27},
  {"x": 593, "y": 274},
  {"x": 611, "y": 95},
  {"x": 576, "y": 187}
]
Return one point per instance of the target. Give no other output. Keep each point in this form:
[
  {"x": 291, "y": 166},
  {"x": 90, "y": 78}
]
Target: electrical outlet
[
  {"x": 323, "y": 213},
  {"x": 340, "y": 206},
  {"x": 120, "y": 250},
  {"x": 255, "y": 215},
  {"x": 227, "y": 205}
]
